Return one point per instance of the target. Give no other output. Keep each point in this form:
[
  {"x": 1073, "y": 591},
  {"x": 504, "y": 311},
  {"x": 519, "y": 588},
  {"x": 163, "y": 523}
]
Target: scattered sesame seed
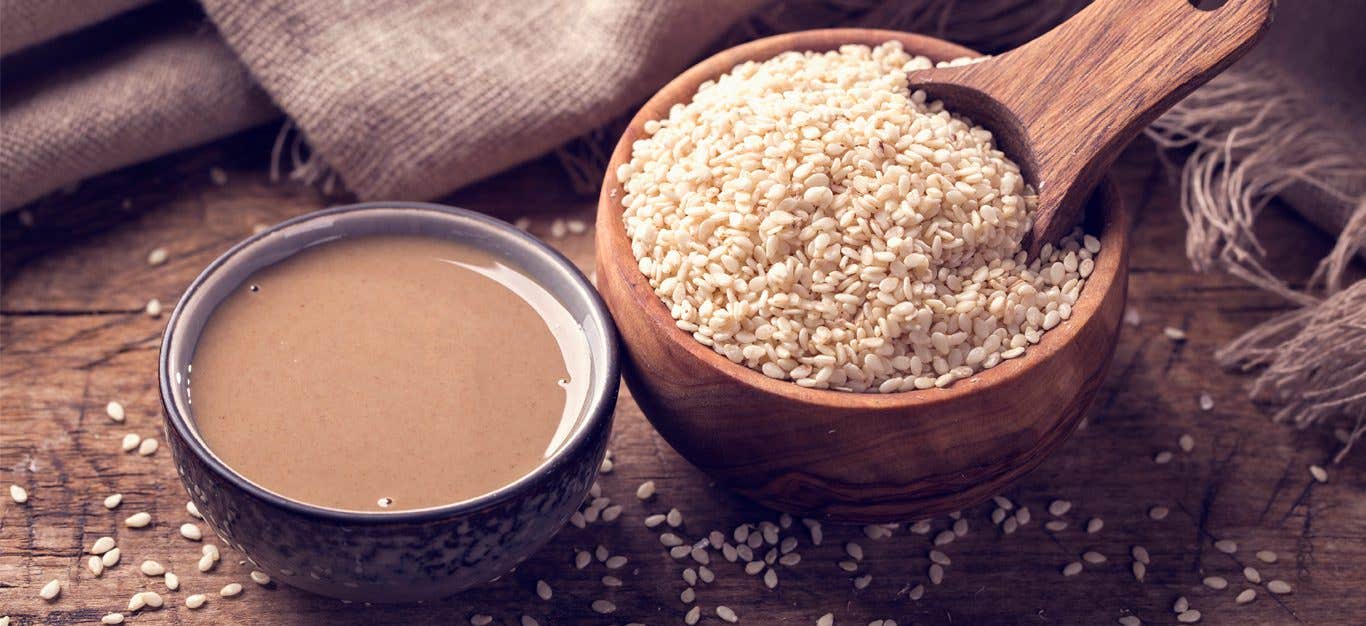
[
  {"x": 944, "y": 538},
  {"x": 1206, "y": 402},
  {"x": 1266, "y": 556},
  {"x": 577, "y": 226},
  {"x": 1022, "y": 515},
  {"x": 51, "y": 590},
  {"x": 1278, "y": 587},
  {"x": 130, "y": 442},
  {"x": 601, "y": 553},
  {"x": 1227, "y": 546},
  {"x": 693, "y": 615},
  {"x": 706, "y": 574},
  {"x": 151, "y": 568},
  {"x": 18, "y": 494},
  {"x": 611, "y": 513},
  {"x": 771, "y": 579},
  {"x": 1252, "y": 575},
  {"x": 603, "y": 606},
  {"x": 523, "y": 223},
  {"x": 480, "y": 619},
  {"x": 654, "y": 520},
  {"x": 191, "y": 532},
  {"x": 206, "y": 563},
  {"x": 148, "y": 447},
  {"x": 670, "y": 540},
  {"x": 854, "y": 550},
  {"x": 1094, "y": 525},
  {"x": 260, "y": 578},
  {"x": 848, "y": 566},
  {"x": 110, "y": 558},
  {"x": 1189, "y": 617},
  {"x": 611, "y": 581},
  {"x": 543, "y": 590},
  {"x": 102, "y": 545},
  {"x": 936, "y": 573},
  {"x": 861, "y": 582},
  {"x": 153, "y": 308},
  {"x": 1174, "y": 334},
  {"x": 1129, "y": 620},
  {"x": 1318, "y": 473},
  {"x": 1059, "y": 508},
  {"x": 112, "y": 618},
  {"x": 1093, "y": 557},
  {"x": 115, "y": 411},
  {"x": 1140, "y": 554},
  {"x": 646, "y": 490},
  {"x": 960, "y": 527},
  {"x": 195, "y": 601},
  {"x": 1158, "y": 512},
  {"x": 674, "y": 518},
  {"x": 679, "y": 552},
  {"x": 138, "y": 520},
  {"x": 606, "y": 466},
  {"x": 1246, "y": 596},
  {"x": 1181, "y": 605},
  {"x": 1009, "y": 525},
  {"x": 1216, "y": 582},
  {"x": 1003, "y": 502},
  {"x": 921, "y": 527},
  {"x": 1132, "y": 317},
  {"x": 1055, "y": 525},
  {"x": 95, "y": 565},
  {"x": 1162, "y": 458},
  {"x": 1186, "y": 442},
  {"x": 1140, "y": 570},
  {"x": 688, "y": 596},
  {"x": 528, "y": 620},
  {"x": 1072, "y": 569},
  {"x": 616, "y": 562},
  {"x": 113, "y": 501},
  {"x": 193, "y": 510},
  {"x": 997, "y": 516},
  {"x": 231, "y": 589},
  {"x": 136, "y": 602},
  {"x": 826, "y": 620},
  {"x": 940, "y": 558},
  {"x": 153, "y": 599},
  {"x": 157, "y": 256},
  {"x": 558, "y": 228},
  {"x": 576, "y": 518},
  {"x": 725, "y": 613}
]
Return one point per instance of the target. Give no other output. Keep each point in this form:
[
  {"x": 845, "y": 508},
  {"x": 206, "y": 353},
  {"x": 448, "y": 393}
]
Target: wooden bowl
[{"x": 862, "y": 457}]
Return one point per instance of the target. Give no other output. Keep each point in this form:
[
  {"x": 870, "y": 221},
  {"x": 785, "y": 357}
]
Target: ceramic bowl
[
  {"x": 387, "y": 556},
  {"x": 861, "y": 457}
]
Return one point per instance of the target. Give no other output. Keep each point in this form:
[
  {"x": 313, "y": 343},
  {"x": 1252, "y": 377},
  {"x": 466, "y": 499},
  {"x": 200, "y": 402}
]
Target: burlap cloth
[{"x": 412, "y": 99}]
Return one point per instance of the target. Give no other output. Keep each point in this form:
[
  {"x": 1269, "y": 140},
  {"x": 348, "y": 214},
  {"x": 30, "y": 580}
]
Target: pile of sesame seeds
[{"x": 813, "y": 219}]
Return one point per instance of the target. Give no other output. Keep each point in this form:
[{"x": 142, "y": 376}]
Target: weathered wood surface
[{"x": 73, "y": 337}]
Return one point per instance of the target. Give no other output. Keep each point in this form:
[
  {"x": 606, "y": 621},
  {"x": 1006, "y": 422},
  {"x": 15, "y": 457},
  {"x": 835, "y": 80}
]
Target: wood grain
[
  {"x": 71, "y": 338},
  {"x": 847, "y": 456},
  {"x": 1064, "y": 105}
]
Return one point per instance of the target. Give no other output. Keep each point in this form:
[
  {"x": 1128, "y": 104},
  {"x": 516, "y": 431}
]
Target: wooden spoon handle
[{"x": 1071, "y": 99}]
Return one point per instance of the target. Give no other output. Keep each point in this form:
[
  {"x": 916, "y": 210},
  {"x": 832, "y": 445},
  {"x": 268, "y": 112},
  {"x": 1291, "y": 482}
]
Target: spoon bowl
[{"x": 855, "y": 456}]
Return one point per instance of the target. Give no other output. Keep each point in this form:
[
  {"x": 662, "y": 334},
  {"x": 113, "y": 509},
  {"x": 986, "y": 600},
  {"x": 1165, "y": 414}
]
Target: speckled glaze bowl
[{"x": 383, "y": 556}]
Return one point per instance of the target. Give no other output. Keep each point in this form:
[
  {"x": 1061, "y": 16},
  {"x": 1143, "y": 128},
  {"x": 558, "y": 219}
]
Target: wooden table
[{"x": 74, "y": 337}]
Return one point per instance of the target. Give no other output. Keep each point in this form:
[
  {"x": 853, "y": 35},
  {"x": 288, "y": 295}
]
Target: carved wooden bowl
[{"x": 844, "y": 456}]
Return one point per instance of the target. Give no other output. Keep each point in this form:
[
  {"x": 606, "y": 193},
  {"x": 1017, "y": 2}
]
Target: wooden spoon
[{"x": 1064, "y": 105}]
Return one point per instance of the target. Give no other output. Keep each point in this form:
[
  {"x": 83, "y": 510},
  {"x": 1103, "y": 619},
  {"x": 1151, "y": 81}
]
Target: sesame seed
[
  {"x": 1093, "y": 557},
  {"x": 576, "y": 518},
  {"x": 480, "y": 619},
  {"x": 193, "y": 510},
  {"x": 688, "y": 596},
  {"x": 151, "y": 568},
  {"x": 854, "y": 550},
  {"x": 191, "y": 532},
  {"x": 153, "y": 599},
  {"x": 1266, "y": 556},
  {"x": 577, "y": 226},
  {"x": 112, "y": 618},
  {"x": 1189, "y": 617},
  {"x": 997, "y": 515},
  {"x": 1003, "y": 502},
  {"x": 1216, "y": 582},
  {"x": 706, "y": 574},
  {"x": 788, "y": 544},
  {"x": 670, "y": 540},
  {"x": 1094, "y": 525},
  {"x": 921, "y": 527},
  {"x": 725, "y": 613},
  {"x": 1174, "y": 334},
  {"x": 1181, "y": 605},
  {"x": 917, "y": 592},
  {"x": 826, "y": 620},
  {"x": 260, "y": 578},
  {"x": 51, "y": 590},
  {"x": 611, "y": 581},
  {"x": 148, "y": 447},
  {"x": 1206, "y": 402},
  {"x": 138, "y": 520},
  {"x": 1022, "y": 515},
  {"x": 523, "y": 223},
  {"x": 1140, "y": 570},
  {"x": 674, "y": 518},
  {"x": 654, "y": 520},
  {"x": 603, "y": 606},
  {"x": 1129, "y": 620},
  {"x": 195, "y": 601},
  {"x": 679, "y": 552},
  {"x": 1072, "y": 569},
  {"x": 605, "y": 467},
  {"x": 940, "y": 558},
  {"x": 1252, "y": 575},
  {"x": 153, "y": 308},
  {"x": 1158, "y": 512},
  {"x": 616, "y": 562},
  {"x": 601, "y": 553},
  {"x": 110, "y": 558},
  {"x": 1227, "y": 546},
  {"x": 130, "y": 442},
  {"x": 861, "y": 582},
  {"x": 115, "y": 411},
  {"x": 693, "y": 615},
  {"x": 790, "y": 559},
  {"x": 944, "y": 538},
  {"x": 113, "y": 501},
  {"x": 771, "y": 579},
  {"x": 1059, "y": 508},
  {"x": 1279, "y": 587},
  {"x": 646, "y": 490},
  {"x": 936, "y": 573},
  {"x": 1318, "y": 473},
  {"x": 18, "y": 494},
  {"x": 136, "y": 602},
  {"x": 102, "y": 545},
  {"x": 611, "y": 513},
  {"x": 231, "y": 589},
  {"x": 960, "y": 527},
  {"x": 157, "y": 256},
  {"x": 528, "y": 620},
  {"x": 1246, "y": 596},
  {"x": 95, "y": 565},
  {"x": 1186, "y": 442},
  {"x": 1162, "y": 458},
  {"x": 1140, "y": 554},
  {"x": 1009, "y": 525},
  {"x": 1055, "y": 525},
  {"x": 206, "y": 563}
]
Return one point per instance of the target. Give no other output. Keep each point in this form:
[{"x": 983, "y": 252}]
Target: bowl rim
[
  {"x": 614, "y": 247},
  {"x": 599, "y": 407}
]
